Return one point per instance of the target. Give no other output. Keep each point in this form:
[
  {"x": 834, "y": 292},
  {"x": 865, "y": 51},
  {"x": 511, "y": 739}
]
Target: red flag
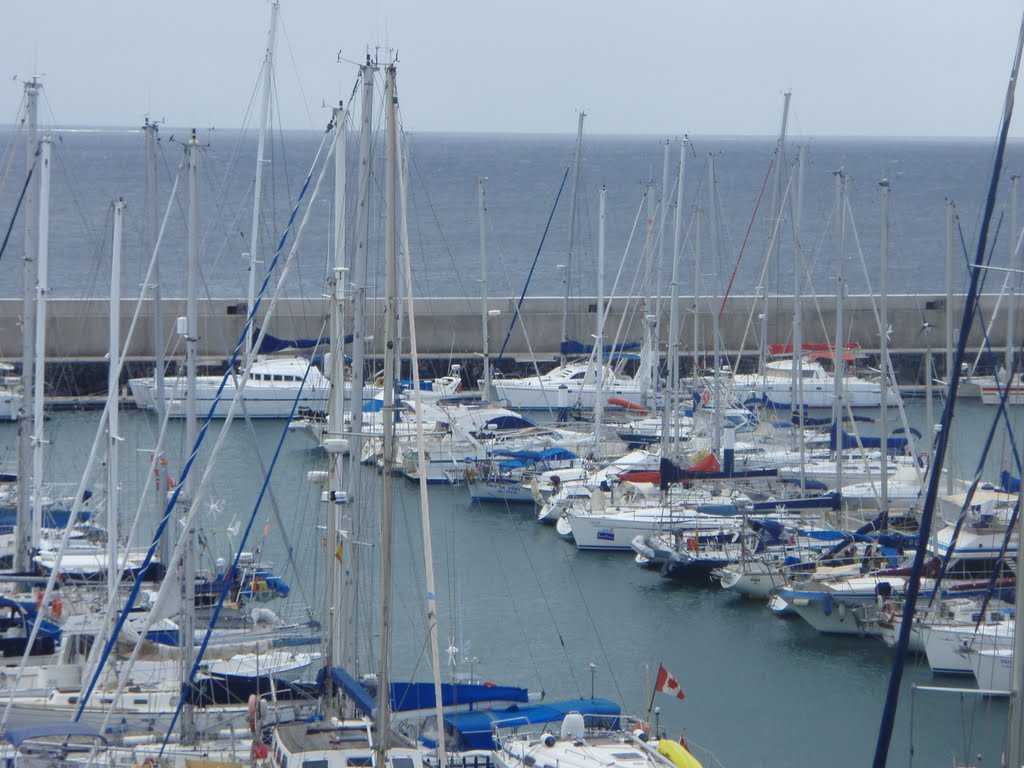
[{"x": 667, "y": 683}]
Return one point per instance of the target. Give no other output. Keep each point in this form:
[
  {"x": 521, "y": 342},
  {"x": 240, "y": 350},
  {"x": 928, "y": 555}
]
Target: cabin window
[
  {"x": 360, "y": 762},
  {"x": 314, "y": 764},
  {"x": 402, "y": 762}
]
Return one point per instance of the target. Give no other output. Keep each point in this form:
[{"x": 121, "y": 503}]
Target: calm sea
[{"x": 523, "y": 176}]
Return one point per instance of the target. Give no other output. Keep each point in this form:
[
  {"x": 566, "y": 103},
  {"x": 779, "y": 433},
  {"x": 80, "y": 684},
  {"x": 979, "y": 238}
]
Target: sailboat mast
[
  {"x": 42, "y": 290},
  {"x": 1011, "y": 314},
  {"x": 336, "y": 557},
  {"x": 883, "y": 286},
  {"x": 382, "y": 723},
  {"x": 359, "y": 263},
  {"x": 773, "y": 240},
  {"x": 798, "y": 318},
  {"x": 668, "y": 425},
  {"x": 160, "y": 497},
  {"x": 567, "y": 274},
  {"x": 23, "y": 549},
  {"x": 716, "y": 330},
  {"x": 599, "y": 345},
  {"x": 257, "y": 193},
  {"x": 481, "y": 210},
  {"x": 663, "y": 217},
  {"x": 113, "y": 420},
  {"x": 186, "y": 650},
  {"x": 837, "y": 353}
]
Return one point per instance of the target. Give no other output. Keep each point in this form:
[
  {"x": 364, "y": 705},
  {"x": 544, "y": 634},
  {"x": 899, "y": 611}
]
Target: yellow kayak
[{"x": 678, "y": 754}]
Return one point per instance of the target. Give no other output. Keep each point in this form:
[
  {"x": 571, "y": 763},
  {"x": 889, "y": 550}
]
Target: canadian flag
[{"x": 667, "y": 683}]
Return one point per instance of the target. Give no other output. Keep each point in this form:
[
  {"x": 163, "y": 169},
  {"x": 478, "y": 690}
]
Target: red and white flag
[{"x": 667, "y": 683}]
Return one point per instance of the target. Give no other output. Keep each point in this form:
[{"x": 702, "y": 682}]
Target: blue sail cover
[
  {"x": 473, "y": 730},
  {"x": 352, "y": 688},
  {"x": 408, "y": 696},
  {"x": 851, "y": 441},
  {"x": 573, "y": 347},
  {"x": 1009, "y": 483},
  {"x": 271, "y": 343}
]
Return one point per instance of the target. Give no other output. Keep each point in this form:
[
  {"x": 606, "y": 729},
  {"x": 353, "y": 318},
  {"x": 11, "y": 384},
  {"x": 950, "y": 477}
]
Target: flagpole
[{"x": 650, "y": 704}]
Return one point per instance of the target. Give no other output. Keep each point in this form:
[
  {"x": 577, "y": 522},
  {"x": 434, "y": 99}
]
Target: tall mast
[
  {"x": 773, "y": 240},
  {"x": 599, "y": 345},
  {"x": 359, "y": 263},
  {"x": 113, "y": 420},
  {"x": 716, "y": 330},
  {"x": 798, "y": 317},
  {"x": 481, "y": 209},
  {"x": 160, "y": 497},
  {"x": 837, "y": 354},
  {"x": 1011, "y": 315},
  {"x": 883, "y": 286},
  {"x": 23, "y": 550},
  {"x": 42, "y": 289},
  {"x": 186, "y": 651},
  {"x": 257, "y": 194},
  {"x": 567, "y": 275},
  {"x": 669, "y": 411},
  {"x": 382, "y": 723},
  {"x": 662, "y": 218},
  {"x": 337, "y": 559}
]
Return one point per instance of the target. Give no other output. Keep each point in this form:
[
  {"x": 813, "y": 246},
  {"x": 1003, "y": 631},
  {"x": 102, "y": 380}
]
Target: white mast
[
  {"x": 1011, "y": 315},
  {"x": 486, "y": 394},
  {"x": 798, "y": 318},
  {"x": 383, "y": 718},
  {"x": 337, "y": 558},
  {"x": 599, "y": 342},
  {"x": 663, "y": 217},
  {"x": 160, "y": 497},
  {"x": 23, "y": 549},
  {"x": 186, "y": 652},
  {"x": 42, "y": 289},
  {"x": 359, "y": 262},
  {"x": 716, "y": 331},
  {"x": 837, "y": 353},
  {"x": 428, "y": 550},
  {"x": 567, "y": 274},
  {"x": 669, "y": 422},
  {"x": 113, "y": 421},
  {"x": 776, "y": 231},
  {"x": 257, "y": 194},
  {"x": 883, "y": 286}
]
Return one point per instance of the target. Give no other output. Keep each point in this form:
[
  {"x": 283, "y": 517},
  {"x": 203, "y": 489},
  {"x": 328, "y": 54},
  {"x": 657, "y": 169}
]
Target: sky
[{"x": 654, "y": 67}]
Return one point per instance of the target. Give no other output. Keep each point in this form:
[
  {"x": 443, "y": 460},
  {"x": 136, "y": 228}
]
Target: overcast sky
[{"x": 858, "y": 67}]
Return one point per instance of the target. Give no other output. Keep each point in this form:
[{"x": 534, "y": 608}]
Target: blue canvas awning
[{"x": 17, "y": 735}]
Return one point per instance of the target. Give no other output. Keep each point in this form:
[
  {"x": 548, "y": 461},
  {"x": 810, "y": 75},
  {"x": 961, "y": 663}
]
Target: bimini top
[{"x": 474, "y": 729}]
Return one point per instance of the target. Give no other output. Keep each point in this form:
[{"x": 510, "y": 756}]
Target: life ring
[
  {"x": 57, "y": 607},
  {"x": 705, "y": 396},
  {"x": 252, "y": 710},
  {"x": 692, "y": 544},
  {"x": 150, "y": 762}
]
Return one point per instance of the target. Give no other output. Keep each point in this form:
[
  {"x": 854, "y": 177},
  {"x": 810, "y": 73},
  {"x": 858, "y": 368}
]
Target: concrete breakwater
[{"x": 450, "y": 330}]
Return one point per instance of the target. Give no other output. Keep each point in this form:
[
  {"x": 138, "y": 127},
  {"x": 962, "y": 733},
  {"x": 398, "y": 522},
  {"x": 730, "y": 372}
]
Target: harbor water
[{"x": 518, "y": 605}]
